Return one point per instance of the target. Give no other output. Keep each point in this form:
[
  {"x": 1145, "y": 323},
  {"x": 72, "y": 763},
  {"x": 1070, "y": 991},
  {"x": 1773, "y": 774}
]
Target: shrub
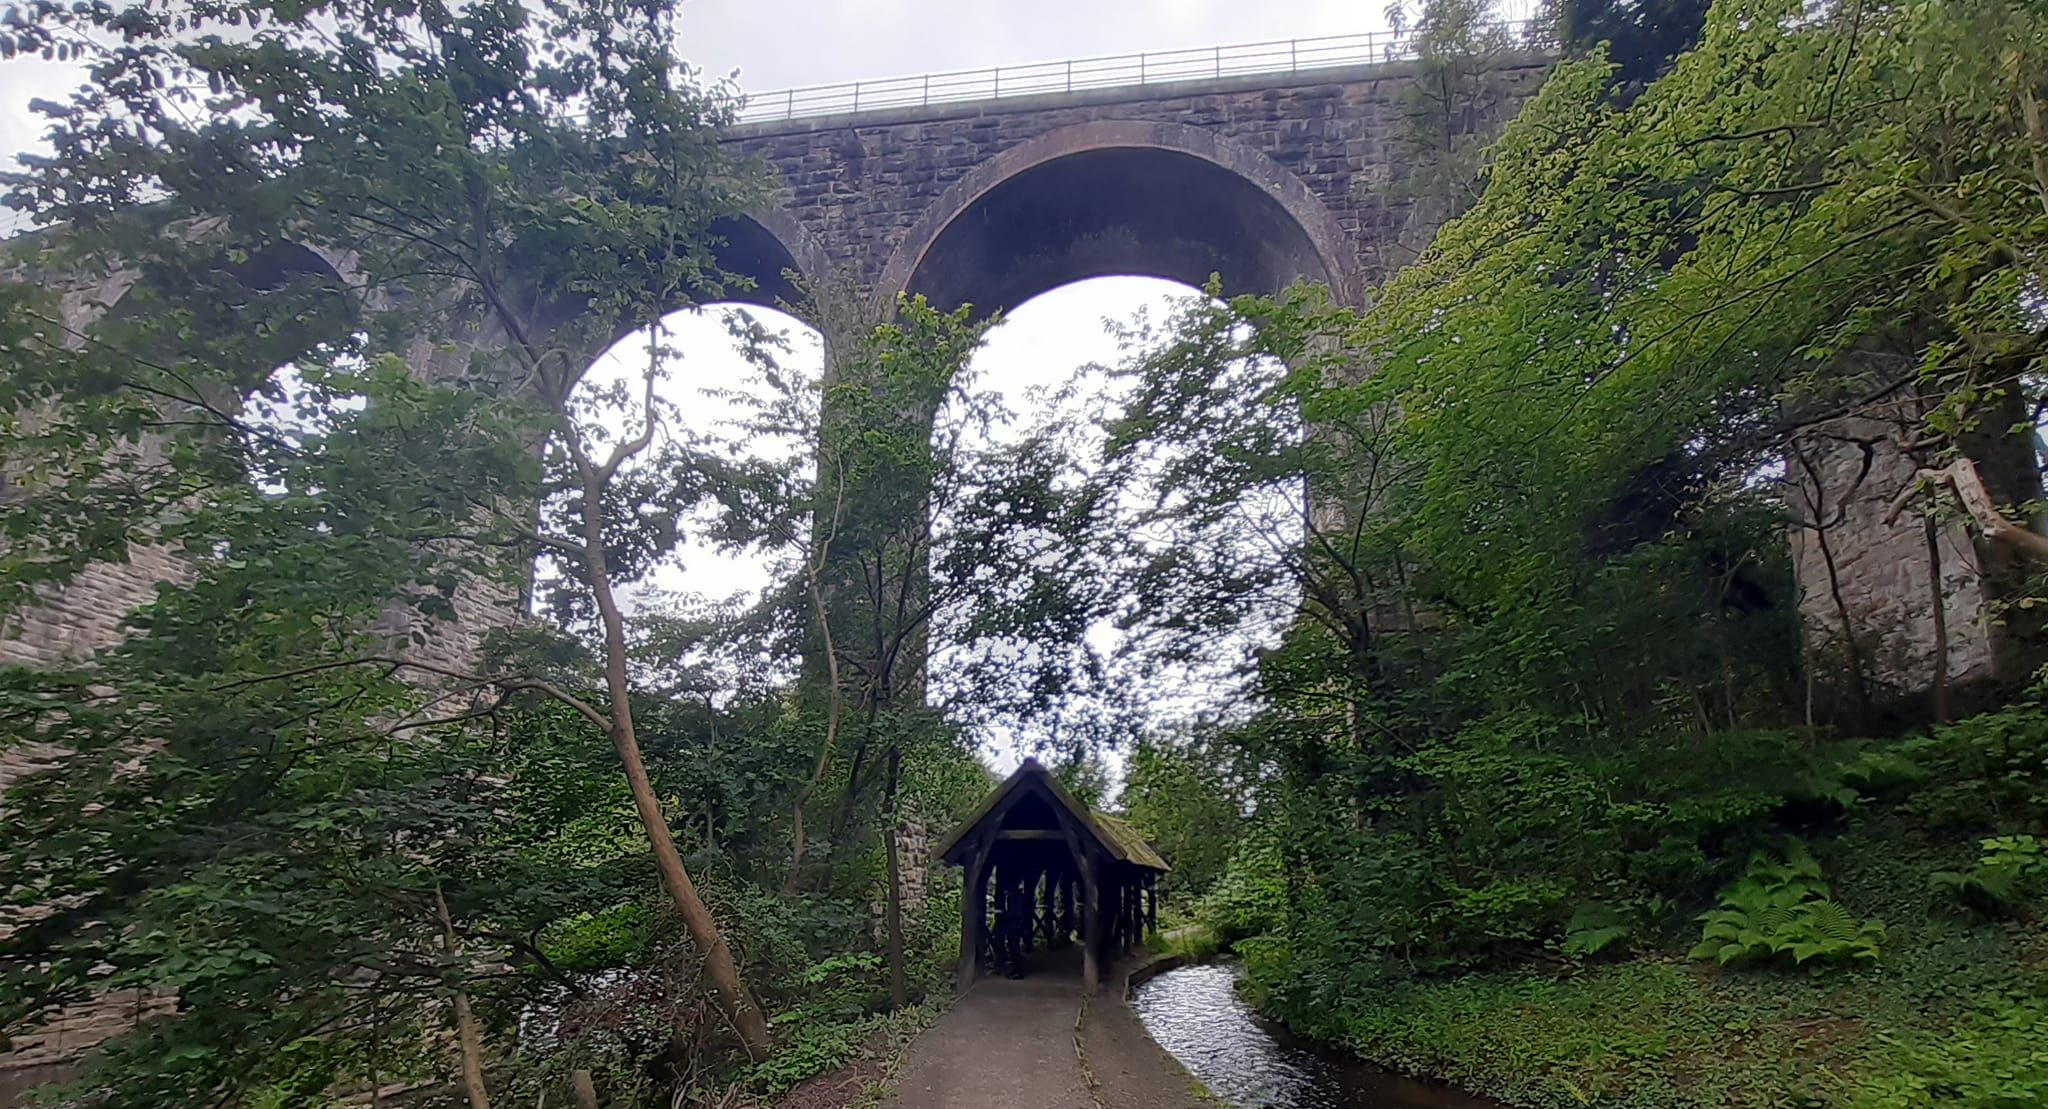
[
  {"x": 1250, "y": 897},
  {"x": 2010, "y": 873},
  {"x": 1784, "y": 908},
  {"x": 1996, "y": 1061}
]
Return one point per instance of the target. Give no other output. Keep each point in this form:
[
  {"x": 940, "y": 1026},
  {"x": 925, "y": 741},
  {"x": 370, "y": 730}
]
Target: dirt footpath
[
  {"x": 1025, "y": 1045},
  {"x": 1129, "y": 1068}
]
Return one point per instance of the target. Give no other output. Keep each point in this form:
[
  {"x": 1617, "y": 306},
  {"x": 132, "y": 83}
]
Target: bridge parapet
[{"x": 1264, "y": 63}]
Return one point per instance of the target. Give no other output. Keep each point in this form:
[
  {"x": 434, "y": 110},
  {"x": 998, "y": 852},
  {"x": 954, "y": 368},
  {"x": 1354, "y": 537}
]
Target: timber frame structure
[{"x": 1091, "y": 878}]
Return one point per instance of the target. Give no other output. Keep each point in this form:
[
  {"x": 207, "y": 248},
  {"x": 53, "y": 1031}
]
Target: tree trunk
[
  {"x": 833, "y": 700},
  {"x": 467, "y": 1037},
  {"x": 1939, "y": 603},
  {"x": 718, "y": 962},
  {"x": 892, "y": 913}
]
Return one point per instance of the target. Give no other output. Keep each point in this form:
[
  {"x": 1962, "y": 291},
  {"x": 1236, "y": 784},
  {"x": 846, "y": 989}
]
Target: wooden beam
[
  {"x": 973, "y": 912},
  {"x": 1091, "y": 923}
]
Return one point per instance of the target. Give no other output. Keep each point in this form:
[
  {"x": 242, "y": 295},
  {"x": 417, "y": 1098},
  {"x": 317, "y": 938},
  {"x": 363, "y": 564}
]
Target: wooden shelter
[{"x": 1087, "y": 878}]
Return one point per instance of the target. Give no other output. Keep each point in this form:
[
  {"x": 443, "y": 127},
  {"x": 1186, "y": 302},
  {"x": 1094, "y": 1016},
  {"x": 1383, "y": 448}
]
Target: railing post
[
  {"x": 1219, "y": 61},
  {"x": 1141, "y": 69},
  {"x": 999, "y": 81},
  {"x": 791, "y": 113},
  {"x": 1070, "y": 75},
  {"x": 1293, "y": 55},
  {"x": 856, "y": 96},
  {"x": 926, "y": 100}
]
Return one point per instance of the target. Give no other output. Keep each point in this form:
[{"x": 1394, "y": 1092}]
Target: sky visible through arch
[{"x": 1039, "y": 347}]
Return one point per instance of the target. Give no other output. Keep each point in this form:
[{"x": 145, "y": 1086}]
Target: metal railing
[{"x": 1115, "y": 71}]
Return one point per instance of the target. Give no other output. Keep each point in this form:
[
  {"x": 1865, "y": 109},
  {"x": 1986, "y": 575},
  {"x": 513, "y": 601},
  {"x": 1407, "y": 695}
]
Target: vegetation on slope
[{"x": 1553, "y": 795}]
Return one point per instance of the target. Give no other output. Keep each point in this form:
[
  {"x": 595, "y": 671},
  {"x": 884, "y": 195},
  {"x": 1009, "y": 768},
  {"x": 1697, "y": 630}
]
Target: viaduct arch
[
  {"x": 1119, "y": 197},
  {"x": 1260, "y": 179}
]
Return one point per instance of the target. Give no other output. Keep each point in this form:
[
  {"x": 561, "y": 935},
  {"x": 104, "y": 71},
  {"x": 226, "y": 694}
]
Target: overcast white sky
[{"x": 779, "y": 43}]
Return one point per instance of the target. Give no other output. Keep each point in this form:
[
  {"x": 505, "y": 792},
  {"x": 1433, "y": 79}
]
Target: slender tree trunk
[
  {"x": 1940, "y": 604},
  {"x": 833, "y": 699},
  {"x": 718, "y": 961},
  {"x": 376, "y": 1046},
  {"x": 892, "y": 912},
  {"x": 585, "y": 1087},
  {"x": 467, "y": 1037},
  {"x": 1818, "y": 503}
]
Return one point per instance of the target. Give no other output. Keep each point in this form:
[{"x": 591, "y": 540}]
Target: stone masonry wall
[
  {"x": 856, "y": 185},
  {"x": 1843, "y": 546}
]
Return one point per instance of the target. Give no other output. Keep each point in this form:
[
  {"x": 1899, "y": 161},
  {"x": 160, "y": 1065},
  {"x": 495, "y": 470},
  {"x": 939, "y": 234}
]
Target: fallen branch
[{"x": 1968, "y": 485}]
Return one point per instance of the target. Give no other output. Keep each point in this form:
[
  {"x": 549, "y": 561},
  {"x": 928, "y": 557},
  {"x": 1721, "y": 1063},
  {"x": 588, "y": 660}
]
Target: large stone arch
[
  {"x": 68, "y": 622},
  {"x": 1120, "y": 197}
]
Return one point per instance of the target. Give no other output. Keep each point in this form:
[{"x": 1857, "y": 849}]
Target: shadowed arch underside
[
  {"x": 1117, "y": 197},
  {"x": 1146, "y": 212}
]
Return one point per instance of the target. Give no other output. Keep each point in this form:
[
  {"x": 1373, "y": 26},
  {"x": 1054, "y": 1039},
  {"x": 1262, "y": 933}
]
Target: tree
[
  {"x": 511, "y": 186},
  {"x": 1542, "y": 505},
  {"x": 881, "y": 475},
  {"x": 1179, "y": 792}
]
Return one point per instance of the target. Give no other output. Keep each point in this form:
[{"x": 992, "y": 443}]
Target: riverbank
[{"x": 1954, "y": 1013}]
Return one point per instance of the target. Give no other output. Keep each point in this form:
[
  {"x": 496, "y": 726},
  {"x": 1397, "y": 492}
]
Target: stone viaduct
[{"x": 1261, "y": 179}]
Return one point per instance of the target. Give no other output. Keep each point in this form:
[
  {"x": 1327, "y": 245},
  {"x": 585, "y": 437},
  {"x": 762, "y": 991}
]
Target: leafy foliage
[
  {"x": 1596, "y": 927},
  {"x": 1993, "y": 1060},
  {"x": 2012, "y": 871},
  {"x": 1783, "y": 908}
]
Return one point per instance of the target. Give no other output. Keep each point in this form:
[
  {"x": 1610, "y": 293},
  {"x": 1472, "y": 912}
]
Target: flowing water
[{"x": 1251, "y": 1063}]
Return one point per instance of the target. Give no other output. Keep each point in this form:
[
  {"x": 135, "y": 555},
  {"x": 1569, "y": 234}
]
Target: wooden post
[
  {"x": 973, "y": 914},
  {"x": 1045, "y": 924},
  {"x": 1091, "y": 923}
]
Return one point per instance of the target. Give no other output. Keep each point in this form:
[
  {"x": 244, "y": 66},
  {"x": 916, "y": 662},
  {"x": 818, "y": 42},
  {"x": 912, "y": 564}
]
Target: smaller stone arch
[
  {"x": 767, "y": 246},
  {"x": 1120, "y": 196}
]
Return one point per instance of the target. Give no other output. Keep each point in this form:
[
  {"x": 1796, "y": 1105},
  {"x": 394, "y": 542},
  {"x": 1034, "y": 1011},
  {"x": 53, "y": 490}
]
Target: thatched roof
[{"x": 1117, "y": 839}]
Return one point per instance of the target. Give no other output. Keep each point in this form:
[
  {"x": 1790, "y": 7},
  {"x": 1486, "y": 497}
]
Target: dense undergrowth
[
  {"x": 1950, "y": 1006},
  {"x": 1564, "y": 786}
]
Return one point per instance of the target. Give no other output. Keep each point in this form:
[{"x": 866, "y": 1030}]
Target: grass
[
  {"x": 1955, "y": 1013},
  {"x": 1193, "y": 942}
]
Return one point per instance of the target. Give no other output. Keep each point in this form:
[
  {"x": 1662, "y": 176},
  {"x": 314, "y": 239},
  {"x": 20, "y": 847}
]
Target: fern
[
  {"x": 1595, "y": 927},
  {"x": 1784, "y": 909}
]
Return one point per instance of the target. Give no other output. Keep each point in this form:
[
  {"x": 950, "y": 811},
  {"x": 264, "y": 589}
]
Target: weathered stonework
[
  {"x": 1868, "y": 549},
  {"x": 874, "y": 193},
  {"x": 1866, "y": 583}
]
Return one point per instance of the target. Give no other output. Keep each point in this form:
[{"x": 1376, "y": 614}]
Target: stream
[{"x": 1249, "y": 1062}]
